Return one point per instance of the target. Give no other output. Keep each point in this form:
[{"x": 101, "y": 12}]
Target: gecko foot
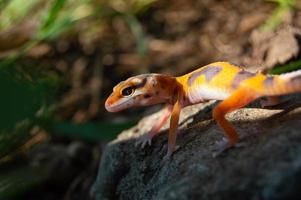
[
  {"x": 169, "y": 153},
  {"x": 223, "y": 145},
  {"x": 220, "y": 147},
  {"x": 166, "y": 158},
  {"x": 271, "y": 102},
  {"x": 143, "y": 141}
]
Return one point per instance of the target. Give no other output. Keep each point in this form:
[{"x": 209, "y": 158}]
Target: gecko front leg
[
  {"x": 172, "y": 135},
  {"x": 147, "y": 138}
]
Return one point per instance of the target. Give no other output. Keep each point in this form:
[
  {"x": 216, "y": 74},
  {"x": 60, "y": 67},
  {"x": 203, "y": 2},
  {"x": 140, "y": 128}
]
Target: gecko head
[{"x": 141, "y": 90}]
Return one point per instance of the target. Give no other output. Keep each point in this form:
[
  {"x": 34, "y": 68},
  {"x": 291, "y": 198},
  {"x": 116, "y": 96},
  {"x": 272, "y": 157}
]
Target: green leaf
[
  {"x": 138, "y": 33},
  {"x": 52, "y": 25},
  {"x": 92, "y": 132},
  {"x": 53, "y": 13},
  {"x": 20, "y": 102},
  {"x": 292, "y": 66},
  {"x": 56, "y": 29},
  {"x": 277, "y": 16},
  {"x": 20, "y": 99}
]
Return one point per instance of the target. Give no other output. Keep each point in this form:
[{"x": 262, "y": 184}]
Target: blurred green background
[
  {"x": 59, "y": 60},
  {"x": 51, "y": 76}
]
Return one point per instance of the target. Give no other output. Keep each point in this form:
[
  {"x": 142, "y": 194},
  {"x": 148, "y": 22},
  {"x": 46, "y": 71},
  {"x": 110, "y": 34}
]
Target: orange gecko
[{"x": 216, "y": 81}]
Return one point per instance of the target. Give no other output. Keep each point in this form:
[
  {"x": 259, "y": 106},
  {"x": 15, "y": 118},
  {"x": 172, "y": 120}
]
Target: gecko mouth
[{"x": 119, "y": 106}]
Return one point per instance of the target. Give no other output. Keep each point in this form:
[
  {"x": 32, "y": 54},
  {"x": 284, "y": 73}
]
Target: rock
[{"x": 268, "y": 166}]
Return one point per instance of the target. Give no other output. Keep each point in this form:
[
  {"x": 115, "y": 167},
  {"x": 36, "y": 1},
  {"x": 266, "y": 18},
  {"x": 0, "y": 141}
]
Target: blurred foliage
[
  {"x": 27, "y": 95},
  {"x": 19, "y": 105},
  {"x": 51, "y": 25},
  {"x": 137, "y": 32},
  {"x": 89, "y": 131},
  {"x": 13, "y": 11},
  {"x": 291, "y": 66},
  {"x": 278, "y": 15},
  {"x": 16, "y": 90},
  {"x": 60, "y": 16},
  {"x": 16, "y": 181}
]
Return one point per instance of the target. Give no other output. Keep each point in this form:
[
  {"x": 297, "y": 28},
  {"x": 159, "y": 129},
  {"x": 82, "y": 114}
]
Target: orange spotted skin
[
  {"x": 225, "y": 79},
  {"x": 233, "y": 85},
  {"x": 222, "y": 80}
]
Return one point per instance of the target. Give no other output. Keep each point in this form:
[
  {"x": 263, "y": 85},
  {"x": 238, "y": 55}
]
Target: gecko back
[{"x": 220, "y": 79}]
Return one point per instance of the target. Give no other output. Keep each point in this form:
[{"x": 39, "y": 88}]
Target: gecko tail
[
  {"x": 290, "y": 75},
  {"x": 283, "y": 84}
]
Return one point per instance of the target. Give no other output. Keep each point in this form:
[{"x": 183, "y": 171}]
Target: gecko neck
[{"x": 169, "y": 88}]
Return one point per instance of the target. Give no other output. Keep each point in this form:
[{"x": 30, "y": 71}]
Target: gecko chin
[
  {"x": 110, "y": 108},
  {"x": 114, "y": 107}
]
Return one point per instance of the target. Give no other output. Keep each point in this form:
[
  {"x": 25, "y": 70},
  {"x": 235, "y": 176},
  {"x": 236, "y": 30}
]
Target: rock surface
[{"x": 268, "y": 166}]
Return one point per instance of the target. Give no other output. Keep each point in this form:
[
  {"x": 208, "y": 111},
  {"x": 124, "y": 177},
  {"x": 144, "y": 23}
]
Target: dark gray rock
[{"x": 268, "y": 166}]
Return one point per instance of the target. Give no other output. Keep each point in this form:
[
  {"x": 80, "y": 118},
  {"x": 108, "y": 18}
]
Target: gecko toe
[
  {"x": 169, "y": 153},
  {"x": 166, "y": 158},
  {"x": 143, "y": 141},
  {"x": 221, "y": 146}
]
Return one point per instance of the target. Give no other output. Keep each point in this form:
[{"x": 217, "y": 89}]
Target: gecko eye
[{"x": 127, "y": 91}]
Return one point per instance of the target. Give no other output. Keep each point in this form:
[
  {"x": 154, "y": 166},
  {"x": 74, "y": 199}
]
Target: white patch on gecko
[{"x": 204, "y": 93}]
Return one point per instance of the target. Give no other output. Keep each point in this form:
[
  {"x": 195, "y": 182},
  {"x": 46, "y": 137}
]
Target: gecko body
[{"x": 233, "y": 85}]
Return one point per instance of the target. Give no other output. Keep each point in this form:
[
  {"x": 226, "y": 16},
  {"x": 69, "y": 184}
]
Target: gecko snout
[{"x": 109, "y": 105}]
